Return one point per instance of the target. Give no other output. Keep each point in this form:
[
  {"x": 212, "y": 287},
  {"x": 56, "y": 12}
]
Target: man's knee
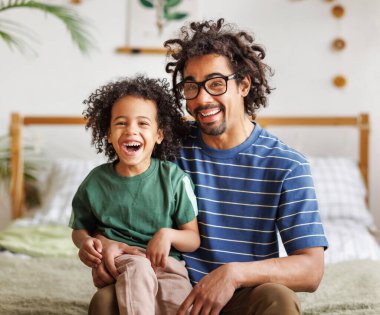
[
  {"x": 275, "y": 299},
  {"x": 104, "y": 302}
]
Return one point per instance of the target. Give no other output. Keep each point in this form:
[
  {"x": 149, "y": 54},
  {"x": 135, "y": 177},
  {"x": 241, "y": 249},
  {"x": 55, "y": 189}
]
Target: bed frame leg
[{"x": 17, "y": 166}]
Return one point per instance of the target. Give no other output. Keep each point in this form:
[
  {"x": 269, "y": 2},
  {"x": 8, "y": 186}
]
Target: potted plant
[
  {"x": 32, "y": 162},
  {"x": 16, "y": 37},
  {"x": 14, "y": 34}
]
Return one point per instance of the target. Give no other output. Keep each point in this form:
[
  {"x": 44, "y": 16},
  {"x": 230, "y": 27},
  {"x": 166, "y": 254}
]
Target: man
[{"x": 250, "y": 186}]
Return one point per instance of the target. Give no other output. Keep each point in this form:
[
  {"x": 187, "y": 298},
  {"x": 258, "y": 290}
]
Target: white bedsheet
[{"x": 349, "y": 240}]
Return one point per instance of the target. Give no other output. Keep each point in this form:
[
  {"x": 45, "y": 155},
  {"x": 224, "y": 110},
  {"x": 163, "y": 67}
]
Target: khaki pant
[
  {"x": 265, "y": 299},
  {"x": 142, "y": 291}
]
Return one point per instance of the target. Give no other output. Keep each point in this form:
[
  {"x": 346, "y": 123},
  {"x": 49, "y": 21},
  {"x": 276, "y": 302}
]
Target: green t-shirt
[{"x": 132, "y": 209}]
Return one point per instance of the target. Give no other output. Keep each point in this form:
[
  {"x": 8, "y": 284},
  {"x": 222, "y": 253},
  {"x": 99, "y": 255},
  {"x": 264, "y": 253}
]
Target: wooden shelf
[{"x": 141, "y": 50}]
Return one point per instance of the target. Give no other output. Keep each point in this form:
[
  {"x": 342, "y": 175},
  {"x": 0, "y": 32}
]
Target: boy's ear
[
  {"x": 109, "y": 136},
  {"x": 160, "y": 136},
  {"x": 245, "y": 85},
  {"x": 188, "y": 110}
]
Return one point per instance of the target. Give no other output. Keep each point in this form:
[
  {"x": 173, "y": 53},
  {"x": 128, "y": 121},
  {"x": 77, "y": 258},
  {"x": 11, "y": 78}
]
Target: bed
[{"x": 41, "y": 274}]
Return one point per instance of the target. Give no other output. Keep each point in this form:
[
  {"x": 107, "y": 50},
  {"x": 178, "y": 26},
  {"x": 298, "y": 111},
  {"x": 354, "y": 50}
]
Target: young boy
[{"x": 138, "y": 198}]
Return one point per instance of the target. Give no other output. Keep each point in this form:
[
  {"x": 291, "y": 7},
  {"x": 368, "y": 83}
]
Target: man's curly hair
[
  {"x": 209, "y": 37},
  {"x": 169, "y": 115}
]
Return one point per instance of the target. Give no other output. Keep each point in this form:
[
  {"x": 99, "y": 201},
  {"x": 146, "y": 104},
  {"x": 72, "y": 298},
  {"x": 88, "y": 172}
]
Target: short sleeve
[
  {"x": 81, "y": 215},
  {"x": 186, "y": 208},
  {"x": 298, "y": 219}
]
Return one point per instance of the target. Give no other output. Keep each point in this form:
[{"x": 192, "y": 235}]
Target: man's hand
[
  {"x": 212, "y": 293},
  {"x": 158, "y": 248},
  {"x": 90, "y": 252}
]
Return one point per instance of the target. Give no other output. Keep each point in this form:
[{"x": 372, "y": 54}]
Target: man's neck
[{"x": 232, "y": 137}]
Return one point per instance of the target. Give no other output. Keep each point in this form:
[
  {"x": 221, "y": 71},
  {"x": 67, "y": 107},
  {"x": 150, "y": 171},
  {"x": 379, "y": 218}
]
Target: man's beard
[
  {"x": 210, "y": 129},
  {"x": 214, "y": 130}
]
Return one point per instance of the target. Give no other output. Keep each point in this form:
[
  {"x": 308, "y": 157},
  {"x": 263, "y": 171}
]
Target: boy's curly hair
[
  {"x": 209, "y": 37},
  {"x": 169, "y": 115}
]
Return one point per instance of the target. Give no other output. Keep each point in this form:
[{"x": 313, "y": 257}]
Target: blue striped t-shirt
[{"x": 245, "y": 195}]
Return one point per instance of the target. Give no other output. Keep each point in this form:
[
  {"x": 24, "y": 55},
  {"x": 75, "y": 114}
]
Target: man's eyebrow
[{"x": 210, "y": 75}]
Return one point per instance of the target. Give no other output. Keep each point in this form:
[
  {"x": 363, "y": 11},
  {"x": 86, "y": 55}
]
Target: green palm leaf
[
  {"x": 72, "y": 21},
  {"x": 14, "y": 35}
]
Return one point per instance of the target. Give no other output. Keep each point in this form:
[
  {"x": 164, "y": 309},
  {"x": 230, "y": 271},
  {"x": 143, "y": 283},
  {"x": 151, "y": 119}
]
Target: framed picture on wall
[{"x": 151, "y": 22}]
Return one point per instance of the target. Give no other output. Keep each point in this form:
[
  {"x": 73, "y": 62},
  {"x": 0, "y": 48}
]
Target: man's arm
[{"x": 301, "y": 271}]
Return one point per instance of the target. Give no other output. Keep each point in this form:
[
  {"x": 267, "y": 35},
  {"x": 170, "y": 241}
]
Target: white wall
[{"x": 296, "y": 33}]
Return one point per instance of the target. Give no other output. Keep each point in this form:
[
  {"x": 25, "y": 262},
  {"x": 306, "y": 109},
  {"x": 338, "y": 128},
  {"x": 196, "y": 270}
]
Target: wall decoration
[
  {"x": 337, "y": 11},
  {"x": 338, "y": 44},
  {"x": 339, "y": 81},
  {"x": 151, "y": 22}
]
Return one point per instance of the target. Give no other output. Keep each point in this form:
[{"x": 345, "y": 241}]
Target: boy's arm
[
  {"x": 186, "y": 239},
  {"x": 89, "y": 248}
]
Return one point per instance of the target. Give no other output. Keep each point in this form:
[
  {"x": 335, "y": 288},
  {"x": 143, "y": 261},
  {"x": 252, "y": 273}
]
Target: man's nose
[{"x": 203, "y": 96}]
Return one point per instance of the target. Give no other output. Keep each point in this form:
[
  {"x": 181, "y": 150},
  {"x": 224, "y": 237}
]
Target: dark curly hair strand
[
  {"x": 209, "y": 37},
  {"x": 169, "y": 114}
]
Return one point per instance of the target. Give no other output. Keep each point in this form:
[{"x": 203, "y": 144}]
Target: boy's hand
[
  {"x": 158, "y": 248},
  {"x": 90, "y": 252},
  {"x": 113, "y": 249},
  {"x": 101, "y": 277}
]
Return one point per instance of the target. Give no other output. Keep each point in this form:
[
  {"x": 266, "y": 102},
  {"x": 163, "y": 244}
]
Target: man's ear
[
  {"x": 245, "y": 85},
  {"x": 160, "y": 137}
]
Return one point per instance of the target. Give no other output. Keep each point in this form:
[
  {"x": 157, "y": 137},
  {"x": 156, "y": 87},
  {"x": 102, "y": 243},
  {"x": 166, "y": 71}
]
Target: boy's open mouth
[{"x": 132, "y": 147}]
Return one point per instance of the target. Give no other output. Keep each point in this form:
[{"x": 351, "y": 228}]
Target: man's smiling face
[{"x": 215, "y": 114}]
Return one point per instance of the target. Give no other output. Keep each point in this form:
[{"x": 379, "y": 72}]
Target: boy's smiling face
[{"x": 134, "y": 133}]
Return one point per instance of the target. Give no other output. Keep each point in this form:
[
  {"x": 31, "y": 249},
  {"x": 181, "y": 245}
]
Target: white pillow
[
  {"x": 63, "y": 181},
  {"x": 340, "y": 189}
]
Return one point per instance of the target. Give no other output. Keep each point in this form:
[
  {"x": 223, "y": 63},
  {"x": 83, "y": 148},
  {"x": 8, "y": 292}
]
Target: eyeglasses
[{"x": 214, "y": 86}]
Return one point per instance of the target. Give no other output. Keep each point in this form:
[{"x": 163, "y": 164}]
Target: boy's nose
[{"x": 130, "y": 130}]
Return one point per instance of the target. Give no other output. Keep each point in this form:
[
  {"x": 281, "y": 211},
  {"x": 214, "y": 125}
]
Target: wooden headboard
[{"x": 361, "y": 122}]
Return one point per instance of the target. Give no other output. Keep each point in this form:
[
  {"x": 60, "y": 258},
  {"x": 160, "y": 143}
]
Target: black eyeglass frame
[{"x": 201, "y": 84}]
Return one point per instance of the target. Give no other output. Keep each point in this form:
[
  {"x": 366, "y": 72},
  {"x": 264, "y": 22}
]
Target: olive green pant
[{"x": 265, "y": 299}]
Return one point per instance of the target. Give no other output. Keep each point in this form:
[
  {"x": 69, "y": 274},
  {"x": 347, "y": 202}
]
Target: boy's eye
[
  {"x": 120, "y": 123},
  {"x": 144, "y": 123}
]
